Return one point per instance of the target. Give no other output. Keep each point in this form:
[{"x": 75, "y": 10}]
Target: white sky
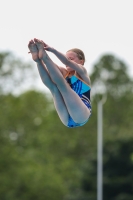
[{"x": 97, "y": 27}]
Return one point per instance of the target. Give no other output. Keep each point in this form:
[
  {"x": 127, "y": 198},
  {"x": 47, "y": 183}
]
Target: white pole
[{"x": 100, "y": 151}]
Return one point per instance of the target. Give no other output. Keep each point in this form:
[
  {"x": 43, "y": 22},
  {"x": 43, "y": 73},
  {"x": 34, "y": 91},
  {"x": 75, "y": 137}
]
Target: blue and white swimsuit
[{"x": 83, "y": 91}]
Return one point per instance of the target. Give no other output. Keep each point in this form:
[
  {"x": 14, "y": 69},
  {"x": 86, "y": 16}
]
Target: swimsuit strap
[
  {"x": 77, "y": 77},
  {"x": 66, "y": 75}
]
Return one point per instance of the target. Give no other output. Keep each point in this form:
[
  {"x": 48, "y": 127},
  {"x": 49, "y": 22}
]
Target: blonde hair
[{"x": 79, "y": 53}]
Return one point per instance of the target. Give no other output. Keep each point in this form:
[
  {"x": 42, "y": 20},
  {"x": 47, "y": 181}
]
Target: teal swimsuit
[{"x": 83, "y": 91}]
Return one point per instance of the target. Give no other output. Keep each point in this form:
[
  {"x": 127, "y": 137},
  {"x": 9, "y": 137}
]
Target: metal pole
[{"x": 100, "y": 151}]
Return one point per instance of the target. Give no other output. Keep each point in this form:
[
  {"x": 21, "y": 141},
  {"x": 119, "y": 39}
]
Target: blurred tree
[
  {"x": 44, "y": 155},
  {"x": 118, "y": 173},
  {"x": 15, "y": 74},
  {"x": 42, "y": 159},
  {"x": 110, "y": 73},
  {"x": 25, "y": 160}
]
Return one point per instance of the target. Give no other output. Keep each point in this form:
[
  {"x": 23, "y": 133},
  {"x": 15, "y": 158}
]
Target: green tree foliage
[
  {"x": 111, "y": 74},
  {"x": 118, "y": 173},
  {"x": 42, "y": 159},
  {"x": 15, "y": 74},
  {"x": 117, "y": 129},
  {"x": 117, "y": 169}
]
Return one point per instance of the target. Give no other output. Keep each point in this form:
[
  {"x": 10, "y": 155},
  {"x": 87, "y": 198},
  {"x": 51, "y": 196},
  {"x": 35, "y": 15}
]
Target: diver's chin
[{"x": 69, "y": 69}]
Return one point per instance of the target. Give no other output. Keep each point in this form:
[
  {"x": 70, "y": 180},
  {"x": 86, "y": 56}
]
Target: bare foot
[
  {"x": 33, "y": 50},
  {"x": 40, "y": 45}
]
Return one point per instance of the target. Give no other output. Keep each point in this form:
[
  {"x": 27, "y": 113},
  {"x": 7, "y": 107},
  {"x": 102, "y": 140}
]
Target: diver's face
[{"x": 72, "y": 56}]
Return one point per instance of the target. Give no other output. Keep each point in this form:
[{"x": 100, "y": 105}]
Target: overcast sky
[{"x": 97, "y": 27}]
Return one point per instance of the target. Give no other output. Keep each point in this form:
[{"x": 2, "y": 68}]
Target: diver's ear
[{"x": 82, "y": 62}]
